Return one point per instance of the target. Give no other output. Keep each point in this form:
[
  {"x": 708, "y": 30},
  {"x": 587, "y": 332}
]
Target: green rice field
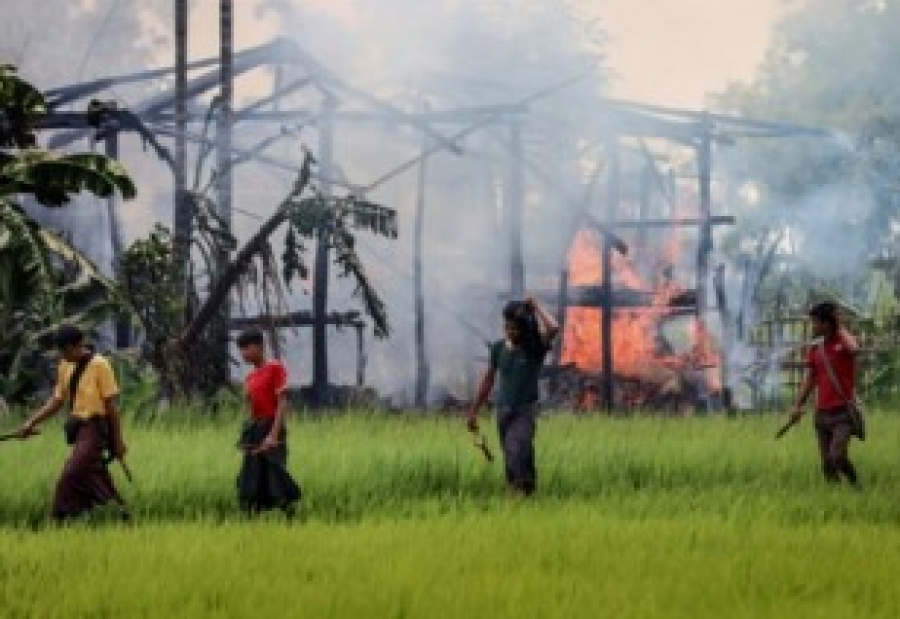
[{"x": 637, "y": 517}]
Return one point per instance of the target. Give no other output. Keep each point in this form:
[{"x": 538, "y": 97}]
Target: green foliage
[
  {"x": 331, "y": 221},
  {"x": 53, "y": 180},
  {"x": 826, "y": 67},
  {"x": 155, "y": 295},
  {"x": 831, "y": 204},
  {"x": 20, "y": 104},
  {"x": 44, "y": 281}
]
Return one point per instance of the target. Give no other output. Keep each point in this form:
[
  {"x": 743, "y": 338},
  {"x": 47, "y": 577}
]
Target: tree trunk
[
  {"x": 221, "y": 289},
  {"x": 122, "y": 322}
]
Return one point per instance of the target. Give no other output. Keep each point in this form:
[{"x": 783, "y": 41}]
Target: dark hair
[
  {"x": 67, "y": 336},
  {"x": 249, "y": 338},
  {"x": 522, "y": 315},
  {"x": 826, "y": 312}
]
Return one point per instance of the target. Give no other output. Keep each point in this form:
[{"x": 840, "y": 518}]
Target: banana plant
[{"x": 44, "y": 280}]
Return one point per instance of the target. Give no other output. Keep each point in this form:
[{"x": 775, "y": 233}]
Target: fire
[{"x": 639, "y": 347}]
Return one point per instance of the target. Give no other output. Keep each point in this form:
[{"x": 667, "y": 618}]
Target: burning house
[{"x": 664, "y": 357}]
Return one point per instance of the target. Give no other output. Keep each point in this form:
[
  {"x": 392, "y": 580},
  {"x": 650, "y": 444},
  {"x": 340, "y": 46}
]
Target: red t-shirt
[
  {"x": 843, "y": 362},
  {"x": 264, "y": 385}
]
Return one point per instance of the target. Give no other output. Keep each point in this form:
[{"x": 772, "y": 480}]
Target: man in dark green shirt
[{"x": 517, "y": 361}]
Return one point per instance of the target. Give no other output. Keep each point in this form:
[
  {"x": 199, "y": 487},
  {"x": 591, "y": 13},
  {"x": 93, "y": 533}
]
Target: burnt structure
[{"x": 177, "y": 114}]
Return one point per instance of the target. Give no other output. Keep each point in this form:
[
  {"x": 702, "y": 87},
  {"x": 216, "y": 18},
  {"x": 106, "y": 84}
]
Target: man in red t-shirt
[
  {"x": 264, "y": 481},
  {"x": 834, "y": 426}
]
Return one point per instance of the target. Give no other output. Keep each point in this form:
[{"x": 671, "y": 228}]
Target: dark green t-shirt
[{"x": 518, "y": 375}]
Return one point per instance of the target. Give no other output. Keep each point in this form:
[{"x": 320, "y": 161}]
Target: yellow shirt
[{"x": 97, "y": 384}]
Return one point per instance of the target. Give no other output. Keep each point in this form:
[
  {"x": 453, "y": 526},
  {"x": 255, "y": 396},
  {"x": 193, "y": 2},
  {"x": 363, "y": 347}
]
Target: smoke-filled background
[{"x": 824, "y": 206}]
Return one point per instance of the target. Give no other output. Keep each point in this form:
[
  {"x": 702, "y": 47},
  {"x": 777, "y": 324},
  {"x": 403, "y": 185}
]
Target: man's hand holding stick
[{"x": 22, "y": 434}]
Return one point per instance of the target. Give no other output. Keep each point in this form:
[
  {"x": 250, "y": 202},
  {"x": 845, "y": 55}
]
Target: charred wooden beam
[
  {"x": 63, "y": 95},
  {"x": 614, "y": 194},
  {"x": 514, "y": 205},
  {"x": 321, "y": 268},
  {"x": 463, "y": 115},
  {"x": 562, "y": 302},
  {"x": 423, "y": 367},
  {"x": 182, "y": 219},
  {"x": 763, "y": 128},
  {"x": 626, "y": 298},
  {"x": 678, "y": 222},
  {"x": 302, "y": 318}
]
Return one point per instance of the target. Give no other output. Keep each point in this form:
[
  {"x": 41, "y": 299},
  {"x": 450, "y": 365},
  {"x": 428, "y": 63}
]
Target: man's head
[
  {"x": 70, "y": 342},
  {"x": 252, "y": 346},
  {"x": 824, "y": 318},
  {"x": 514, "y": 321}
]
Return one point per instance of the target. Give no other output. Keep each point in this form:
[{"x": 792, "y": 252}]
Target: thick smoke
[{"x": 440, "y": 55}]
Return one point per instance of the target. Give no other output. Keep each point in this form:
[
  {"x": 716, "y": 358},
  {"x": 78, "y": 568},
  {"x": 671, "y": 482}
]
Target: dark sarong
[
  {"x": 834, "y": 428},
  {"x": 517, "y": 428},
  {"x": 264, "y": 481},
  {"x": 85, "y": 482}
]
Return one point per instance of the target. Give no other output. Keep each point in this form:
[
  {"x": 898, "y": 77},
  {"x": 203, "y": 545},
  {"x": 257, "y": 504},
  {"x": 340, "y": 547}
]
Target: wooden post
[
  {"x": 181, "y": 220},
  {"x": 423, "y": 370},
  {"x": 704, "y": 162},
  {"x": 515, "y": 206},
  {"x": 562, "y": 304},
  {"x": 727, "y": 339},
  {"x": 361, "y": 359},
  {"x": 224, "y": 120},
  {"x": 644, "y": 205},
  {"x": 224, "y": 124},
  {"x": 704, "y": 248},
  {"x": 606, "y": 279},
  {"x": 322, "y": 264}
]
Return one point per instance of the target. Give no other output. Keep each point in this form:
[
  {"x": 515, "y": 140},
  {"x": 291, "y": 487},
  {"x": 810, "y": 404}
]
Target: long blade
[
  {"x": 785, "y": 428},
  {"x": 481, "y": 444},
  {"x": 127, "y": 471}
]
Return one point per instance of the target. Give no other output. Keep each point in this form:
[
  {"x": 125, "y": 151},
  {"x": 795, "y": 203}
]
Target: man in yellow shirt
[{"x": 87, "y": 381}]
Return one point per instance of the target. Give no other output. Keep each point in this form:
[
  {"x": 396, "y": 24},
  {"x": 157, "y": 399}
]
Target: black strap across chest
[{"x": 75, "y": 379}]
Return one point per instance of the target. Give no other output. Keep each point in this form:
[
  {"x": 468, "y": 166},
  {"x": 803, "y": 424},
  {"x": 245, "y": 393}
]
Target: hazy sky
[
  {"x": 663, "y": 51},
  {"x": 675, "y": 51}
]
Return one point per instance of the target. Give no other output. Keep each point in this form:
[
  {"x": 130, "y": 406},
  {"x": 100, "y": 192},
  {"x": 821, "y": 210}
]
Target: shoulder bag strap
[
  {"x": 829, "y": 369},
  {"x": 80, "y": 367}
]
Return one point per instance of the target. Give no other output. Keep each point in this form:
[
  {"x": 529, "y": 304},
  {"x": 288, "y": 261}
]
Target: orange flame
[{"x": 638, "y": 352}]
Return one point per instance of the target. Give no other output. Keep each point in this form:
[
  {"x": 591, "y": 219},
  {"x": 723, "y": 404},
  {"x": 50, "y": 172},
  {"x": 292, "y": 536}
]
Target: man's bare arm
[
  {"x": 44, "y": 413},
  {"x": 274, "y": 436},
  {"x": 484, "y": 392},
  {"x": 850, "y": 343},
  {"x": 546, "y": 322}
]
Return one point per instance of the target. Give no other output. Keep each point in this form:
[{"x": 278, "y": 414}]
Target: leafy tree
[
  {"x": 828, "y": 66},
  {"x": 183, "y": 358}
]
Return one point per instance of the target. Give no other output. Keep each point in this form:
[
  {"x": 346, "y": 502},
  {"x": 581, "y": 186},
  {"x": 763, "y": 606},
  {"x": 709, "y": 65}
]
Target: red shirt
[
  {"x": 842, "y": 362},
  {"x": 264, "y": 385}
]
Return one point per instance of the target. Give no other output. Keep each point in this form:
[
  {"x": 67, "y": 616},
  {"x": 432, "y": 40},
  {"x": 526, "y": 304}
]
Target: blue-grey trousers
[{"x": 516, "y": 427}]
